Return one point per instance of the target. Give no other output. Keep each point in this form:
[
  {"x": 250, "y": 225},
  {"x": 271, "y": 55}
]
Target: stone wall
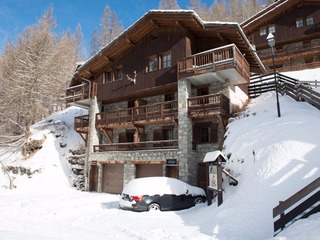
[{"x": 128, "y": 157}]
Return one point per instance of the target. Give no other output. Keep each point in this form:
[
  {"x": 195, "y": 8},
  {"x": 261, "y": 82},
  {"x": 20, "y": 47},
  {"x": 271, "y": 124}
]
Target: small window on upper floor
[
  {"x": 108, "y": 76},
  {"x": 263, "y": 31},
  {"x": 152, "y": 64},
  {"x": 118, "y": 73},
  {"x": 272, "y": 29},
  {"x": 309, "y": 21},
  {"x": 299, "y": 23},
  {"x": 165, "y": 60}
]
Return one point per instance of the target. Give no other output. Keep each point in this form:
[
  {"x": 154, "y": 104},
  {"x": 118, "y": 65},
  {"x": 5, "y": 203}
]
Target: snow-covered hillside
[{"x": 271, "y": 157}]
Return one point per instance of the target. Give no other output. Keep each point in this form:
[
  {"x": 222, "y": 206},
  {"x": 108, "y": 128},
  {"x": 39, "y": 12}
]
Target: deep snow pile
[
  {"x": 271, "y": 157},
  {"x": 58, "y": 138}
]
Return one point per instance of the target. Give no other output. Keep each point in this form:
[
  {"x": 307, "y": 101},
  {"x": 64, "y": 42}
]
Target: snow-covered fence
[
  {"x": 301, "y": 92},
  {"x": 298, "y": 90},
  {"x": 300, "y": 205},
  {"x": 264, "y": 83}
]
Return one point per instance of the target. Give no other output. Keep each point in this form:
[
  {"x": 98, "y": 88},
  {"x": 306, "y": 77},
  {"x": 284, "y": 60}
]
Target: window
[
  {"x": 168, "y": 134},
  {"x": 309, "y": 21},
  {"x": 299, "y": 23},
  {"x": 272, "y": 29},
  {"x": 108, "y": 76},
  {"x": 205, "y": 132},
  {"x": 152, "y": 64},
  {"x": 202, "y": 92},
  {"x": 205, "y": 135},
  {"x": 169, "y": 97},
  {"x": 166, "y": 60},
  {"x": 118, "y": 73},
  {"x": 263, "y": 31}
]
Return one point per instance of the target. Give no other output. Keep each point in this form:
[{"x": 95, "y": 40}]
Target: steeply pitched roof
[
  {"x": 266, "y": 15},
  {"x": 186, "y": 19}
]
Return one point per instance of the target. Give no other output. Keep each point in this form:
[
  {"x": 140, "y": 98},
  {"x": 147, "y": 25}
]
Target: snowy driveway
[{"x": 71, "y": 214}]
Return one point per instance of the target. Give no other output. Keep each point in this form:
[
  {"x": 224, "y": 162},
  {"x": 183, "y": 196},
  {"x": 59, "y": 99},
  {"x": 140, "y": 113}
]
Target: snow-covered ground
[{"x": 271, "y": 157}]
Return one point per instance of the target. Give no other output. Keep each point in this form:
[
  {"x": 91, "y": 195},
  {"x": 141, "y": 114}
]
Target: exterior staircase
[{"x": 298, "y": 90}]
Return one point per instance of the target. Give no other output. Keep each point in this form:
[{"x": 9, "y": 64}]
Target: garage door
[
  {"x": 112, "y": 178},
  {"x": 148, "y": 170}
]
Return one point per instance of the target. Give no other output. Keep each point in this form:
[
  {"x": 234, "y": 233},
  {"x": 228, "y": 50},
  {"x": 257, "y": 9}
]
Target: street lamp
[{"x": 271, "y": 41}]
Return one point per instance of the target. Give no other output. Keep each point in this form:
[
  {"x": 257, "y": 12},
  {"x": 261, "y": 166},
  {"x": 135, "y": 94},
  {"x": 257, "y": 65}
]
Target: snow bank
[{"x": 271, "y": 157}]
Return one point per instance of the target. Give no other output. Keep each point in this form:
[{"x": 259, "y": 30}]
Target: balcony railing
[
  {"x": 146, "y": 113},
  {"x": 134, "y": 146},
  {"x": 291, "y": 51},
  {"x": 208, "y": 105},
  {"x": 77, "y": 93},
  {"x": 214, "y": 60},
  {"x": 81, "y": 122}
]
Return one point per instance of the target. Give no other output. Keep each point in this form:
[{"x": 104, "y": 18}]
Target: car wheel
[
  {"x": 198, "y": 200},
  {"x": 154, "y": 207}
]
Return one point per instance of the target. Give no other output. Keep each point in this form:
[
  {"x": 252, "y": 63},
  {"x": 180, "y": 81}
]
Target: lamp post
[{"x": 271, "y": 41}]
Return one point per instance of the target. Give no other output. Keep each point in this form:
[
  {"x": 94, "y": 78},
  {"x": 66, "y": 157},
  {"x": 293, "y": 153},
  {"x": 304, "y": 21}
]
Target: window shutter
[
  {"x": 122, "y": 137},
  {"x": 195, "y": 134},
  {"x": 214, "y": 132},
  {"x": 157, "y": 134}
]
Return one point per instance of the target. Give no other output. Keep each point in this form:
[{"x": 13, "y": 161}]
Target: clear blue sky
[{"x": 15, "y": 15}]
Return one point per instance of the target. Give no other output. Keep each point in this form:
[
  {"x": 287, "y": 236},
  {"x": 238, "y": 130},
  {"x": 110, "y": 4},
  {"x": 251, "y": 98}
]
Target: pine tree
[
  {"x": 34, "y": 73},
  {"x": 169, "y": 5},
  {"x": 111, "y": 27},
  {"x": 200, "y": 8}
]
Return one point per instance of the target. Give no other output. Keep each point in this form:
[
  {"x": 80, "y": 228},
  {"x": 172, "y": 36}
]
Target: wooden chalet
[
  {"x": 159, "y": 97},
  {"x": 295, "y": 25}
]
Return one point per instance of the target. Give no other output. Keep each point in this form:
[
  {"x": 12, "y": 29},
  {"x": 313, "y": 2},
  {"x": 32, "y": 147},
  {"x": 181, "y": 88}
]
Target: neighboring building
[
  {"x": 159, "y": 97},
  {"x": 295, "y": 25}
]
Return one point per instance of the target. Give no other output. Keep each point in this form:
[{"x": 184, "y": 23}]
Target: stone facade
[{"x": 188, "y": 158}]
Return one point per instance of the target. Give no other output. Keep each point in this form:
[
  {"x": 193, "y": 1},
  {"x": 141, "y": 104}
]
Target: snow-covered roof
[
  {"x": 193, "y": 18},
  {"x": 212, "y": 156}
]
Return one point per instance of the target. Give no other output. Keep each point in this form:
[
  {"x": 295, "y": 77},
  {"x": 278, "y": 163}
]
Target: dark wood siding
[
  {"x": 285, "y": 27},
  {"x": 202, "y": 176},
  {"x": 162, "y": 40},
  {"x": 93, "y": 182}
]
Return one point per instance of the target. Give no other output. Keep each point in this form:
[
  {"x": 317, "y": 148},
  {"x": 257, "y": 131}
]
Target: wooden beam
[
  {"x": 108, "y": 133},
  {"x": 88, "y": 72},
  {"x": 220, "y": 37},
  {"x": 154, "y": 23},
  {"x": 107, "y": 58},
  {"x": 180, "y": 25},
  {"x": 129, "y": 41}
]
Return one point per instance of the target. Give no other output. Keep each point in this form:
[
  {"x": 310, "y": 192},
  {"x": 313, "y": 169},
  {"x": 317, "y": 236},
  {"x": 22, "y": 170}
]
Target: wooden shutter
[
  {"x": 122, "y": 137},
  {"x": 214, "y": 132},
  {"x": 157, "y": 134}
]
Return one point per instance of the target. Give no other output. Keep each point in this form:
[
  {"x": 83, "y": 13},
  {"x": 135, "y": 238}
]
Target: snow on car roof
[{"x": 160, "y": 186}]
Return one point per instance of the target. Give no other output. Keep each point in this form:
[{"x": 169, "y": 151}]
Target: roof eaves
[
  {"x": 263, "y": 13},
  {"x": 124, "y": 33}
]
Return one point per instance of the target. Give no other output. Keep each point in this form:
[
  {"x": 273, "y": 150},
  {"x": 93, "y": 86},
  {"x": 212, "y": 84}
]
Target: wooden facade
[
  {"x": 295, "y": 25},
  {"x": 134, "y": 84}
]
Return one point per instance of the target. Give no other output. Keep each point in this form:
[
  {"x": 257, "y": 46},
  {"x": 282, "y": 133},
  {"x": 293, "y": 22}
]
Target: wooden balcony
[
  {"x": 78, "y": 94},
  {"x": 306, "y": 50},
  {"x": 226, "y": 61},
  {"x": 81, "y": 123},
  {"x": 135, "y": 146},
  {"x": 203, "y": 107},
  {"x": 165, "y": 112}
]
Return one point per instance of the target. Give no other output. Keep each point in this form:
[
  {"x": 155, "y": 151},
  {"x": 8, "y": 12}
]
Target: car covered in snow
[{"x": 160, "y": 193}]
